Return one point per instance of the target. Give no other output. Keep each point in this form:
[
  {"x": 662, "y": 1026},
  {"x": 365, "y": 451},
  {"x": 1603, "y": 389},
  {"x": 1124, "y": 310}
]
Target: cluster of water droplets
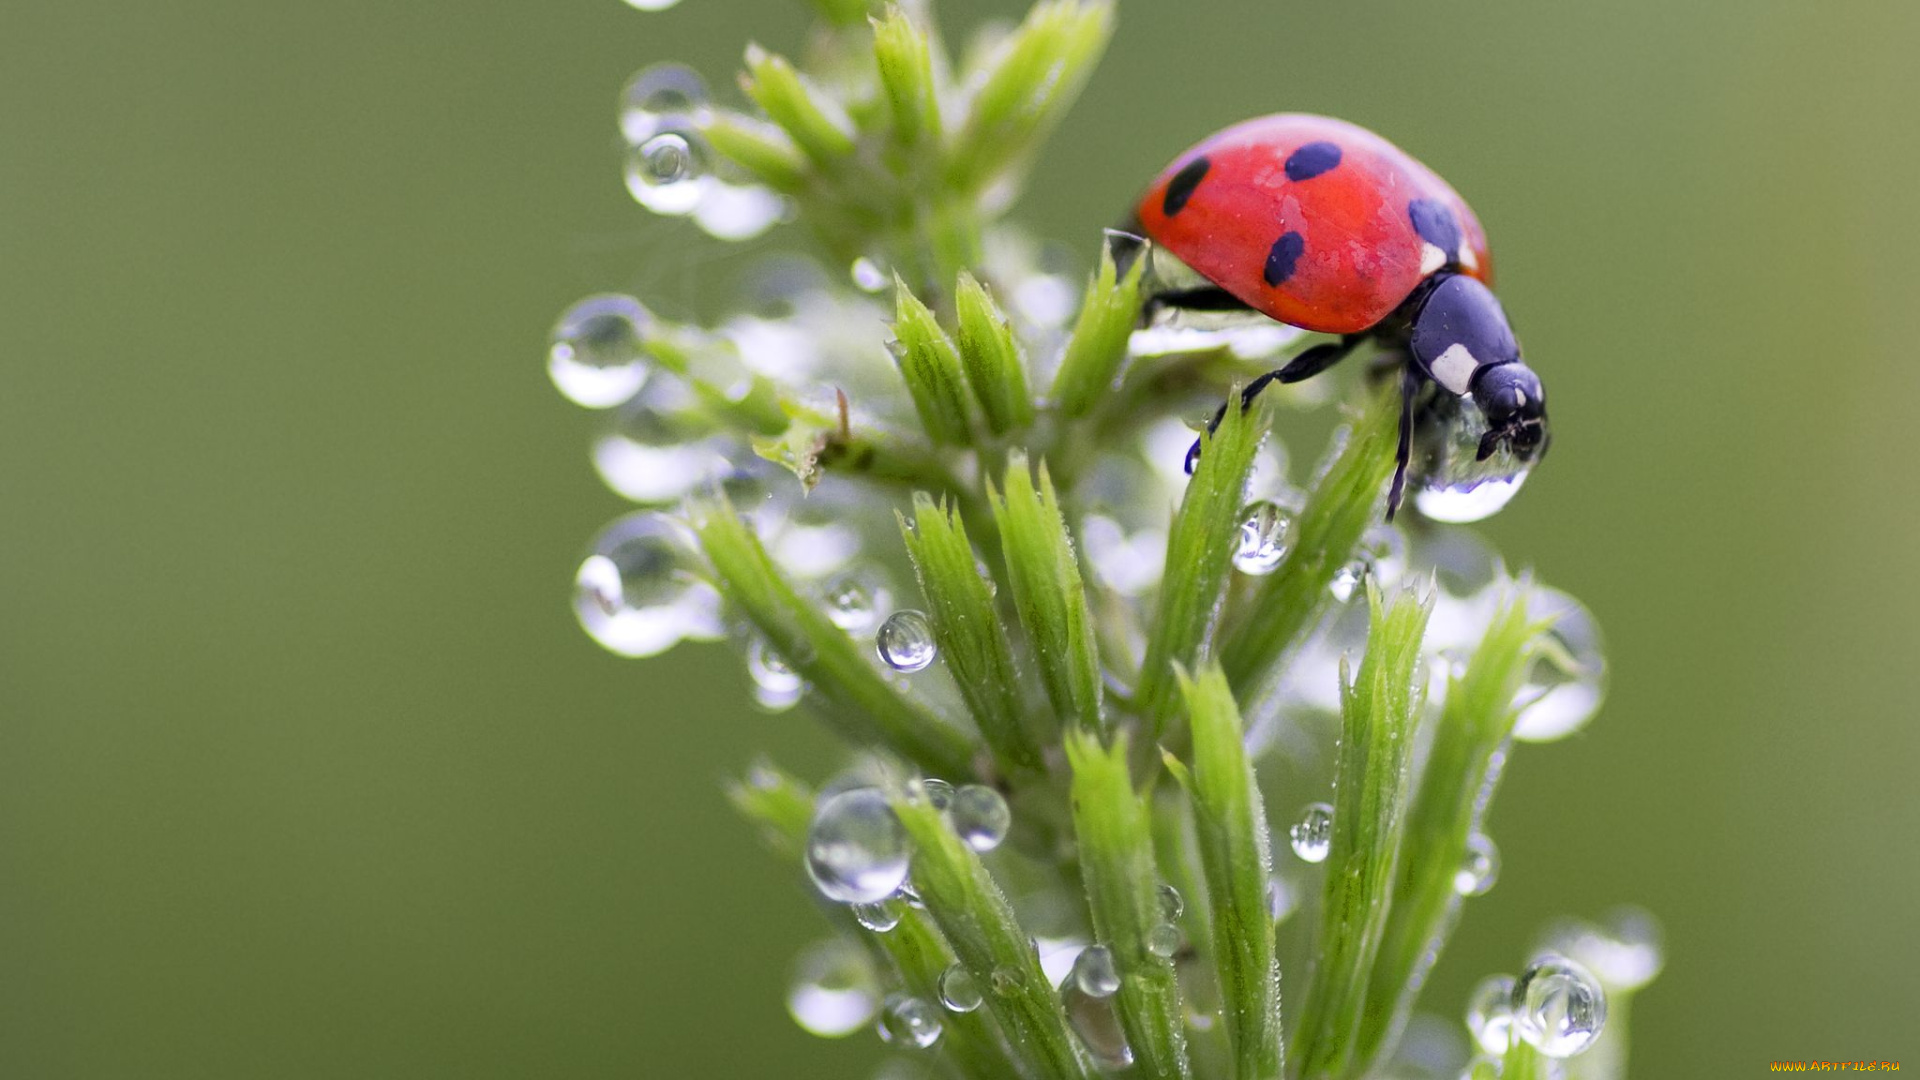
[{"x": 672, "y": 171}]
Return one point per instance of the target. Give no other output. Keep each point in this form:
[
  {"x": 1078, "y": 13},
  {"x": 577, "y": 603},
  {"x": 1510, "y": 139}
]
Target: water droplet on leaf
[
  {"x": 1265, "y": 534},
  {"x": 1347, "y": 580},
  {"x": 638, "y": 593},
  {"x": 852, "y": 601},
  {"x": 1097, "y": 1024},
  {"x": 880, "y": 916},
  {"x": 1490, "y": 1013},
  {"x": 598, "y": 353},
  {"x": 959, "y": 990},
  {"x": 908, "y": 1021},
  {"x": 1452, "y": 483},
  {"x": 1164, "y": 940},
  {"x": 667, "y": 174},
  {"x": 1094, "y": 973},
  {"x": 658, "y": 96},
  {"x": 1568, "y": 677},
  {"x": 980, "y": 815},
  {"x": 857, "y": 850},
  {"x": 832, "y": 994},
  {"x": 1312, "y": 835},
  {"x": 1172, "y": 904},
  {"x": 905, "y": 641},
  {"x": 1558, "y": 1007}
]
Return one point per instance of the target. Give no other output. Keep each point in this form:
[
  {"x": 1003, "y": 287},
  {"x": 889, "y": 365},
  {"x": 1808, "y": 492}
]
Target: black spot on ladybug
[
  {"x": 1435, "y": 224},
  {"x": 1286, "y": 251},
  {"x": 1180, "y": 188},
  {"x": 1311, "y": 160}
]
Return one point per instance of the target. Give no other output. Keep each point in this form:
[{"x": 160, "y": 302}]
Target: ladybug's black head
[{"x": 1515, "y": 405}]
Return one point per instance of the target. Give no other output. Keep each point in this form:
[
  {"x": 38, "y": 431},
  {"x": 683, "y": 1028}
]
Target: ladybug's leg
[
  {"x": 1304, "y": 366},
  {"x": 1409, "y": 390}
]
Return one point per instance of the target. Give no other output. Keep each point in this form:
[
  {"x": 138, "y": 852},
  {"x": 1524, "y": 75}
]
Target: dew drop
[
  {"x": 1172, "y": 904},
  {"x": 738, "y": 212},
  {"x": 980, "y": 815},
  {"x": 769, "y": 669},
  {"x": 1094, "y": 973},
  {"x": 598, "y": 357},
  {"x": 667, "y": 174},
  {"x": 1265, "y": 534},
  {"x": 658, "y": 96},
  {"x": 1312, "y": 835},
  {"x": 1624, "y": 952},
  {"x": 908, "y": 1021},
  {"x": 637, "y": 594},
  {"x": 868, "y": 276},
  {"x": 1097, "y": 1025},
  {"x": 1490, "y": 1013},
  {"x": 651, "y": 5},
  {"x": 1479, "y": 867},
  {"x": 1346, "y": 581},
  {"x": 654, "y": 450},
  {"x": 905, "y": 641},
  {"x": 1558, "y": 1007},
  {"x": 1568, "y": 678},
  {"x": 832, "y": 994},
  {"x": 1453, "y": 483},
  {"x": 879, "y": 916},
  {"x": 852, "y": 601},
  {"x": 857, "y": 850},
  {"x": 939, "y": 793},
  {"x": 959, "y": 990},
  {"x": 1164, "y": 940}
]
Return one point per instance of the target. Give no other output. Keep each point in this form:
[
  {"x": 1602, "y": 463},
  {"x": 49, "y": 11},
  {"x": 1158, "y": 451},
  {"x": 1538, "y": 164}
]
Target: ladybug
[{"x": 1324, "y": 225}]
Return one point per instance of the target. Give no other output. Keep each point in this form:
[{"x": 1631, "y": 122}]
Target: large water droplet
[
  {"x": 959, "y": 990},
  {"x": 857, "y": 850},
  {"x": 905, "y": 641},
  {"x": 655, "y": 451},
  {"x": 638, "y": 595},
  {"x": 832, "y": 994},
  {"x": 1568, "y": 678},
  {"x": 1094, "y": 973},
  {"x": 1558, "y": 1007},
  {"x": 910, "y": 1022},
  {"x": 598, "y": 354},
  {"x": 1312, "y": 835},
  {"x": 853, "y": 601},
  {"x": 1265, "y": 534},
  {"x": 658, "y": 97},
  {"x": 667, "y": 174},
  {"x": 980, "y": 815},
  {"x": 1097, "y": 1024},
  {"x": 1479, "y": 867}
]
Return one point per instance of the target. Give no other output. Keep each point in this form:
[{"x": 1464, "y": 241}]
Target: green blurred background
[{"x": 305, "y": 769}]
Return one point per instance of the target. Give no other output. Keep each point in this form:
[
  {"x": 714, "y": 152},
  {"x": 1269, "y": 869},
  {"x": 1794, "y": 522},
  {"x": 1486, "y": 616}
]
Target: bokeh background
[{"x": 305, "y": 769}]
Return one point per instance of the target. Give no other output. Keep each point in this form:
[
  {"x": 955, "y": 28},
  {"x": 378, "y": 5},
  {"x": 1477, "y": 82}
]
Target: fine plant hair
[{"x": 926, "y": 476}]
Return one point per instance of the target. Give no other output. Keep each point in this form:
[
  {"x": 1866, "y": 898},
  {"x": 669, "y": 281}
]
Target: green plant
[{"x": 1050, "y": 856}]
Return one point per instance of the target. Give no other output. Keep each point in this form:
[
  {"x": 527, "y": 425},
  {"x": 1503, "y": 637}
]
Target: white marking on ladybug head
[
  {"x": 1431, "y": 259},
  {"x": 1454, "y": 369},
  {"x": 1467, "y": 258}
]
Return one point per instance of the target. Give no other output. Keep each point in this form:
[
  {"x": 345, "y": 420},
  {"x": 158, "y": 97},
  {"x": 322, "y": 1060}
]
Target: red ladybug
[{"x": 1326, "y": 226}]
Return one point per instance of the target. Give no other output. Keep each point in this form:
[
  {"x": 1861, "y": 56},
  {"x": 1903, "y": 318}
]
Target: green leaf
[
  {"x": 867, "y": 710},
  {"x": 1099, "y": 343},
  {"x": 780, "y": 804},
  {"x": 1380, "y": 710},
  {"x": 967, "y": 628},
  {"x": 905, "y": 56},
  {"x": 1231, "y": 826},
  {"x": 1116, "y": 859},
  {"x": 1048, "y": 592},
  {"x": 1034, "y": 80},
  {"x": 1525, "y": 1063},
  {"x": 979, "y": 925},
  {"x": 1200, "y": 557},
  {"x": 816, "y": 123},
  {"x": 991, "y": 358},
  {"x": 1340, "y": 509},
  {"x": 931, "y": 368},
  {"x": 1454, "y": 792},
  {"x": 762, "y": 149}
]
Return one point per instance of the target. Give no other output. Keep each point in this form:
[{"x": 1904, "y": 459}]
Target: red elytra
[{"x": 1312, "y": 221}]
